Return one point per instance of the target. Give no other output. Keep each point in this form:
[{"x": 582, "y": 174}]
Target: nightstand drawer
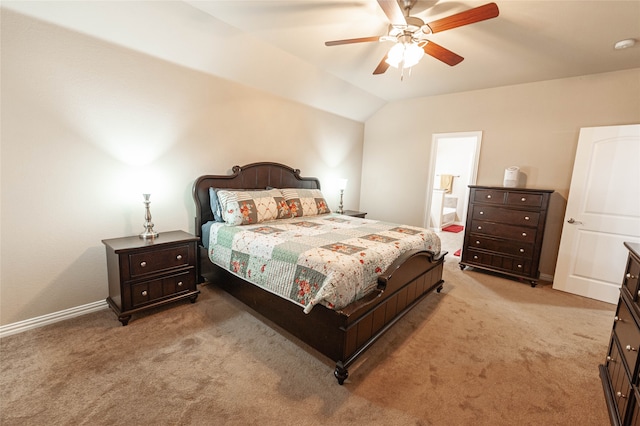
[
  {"x": 150, "y": 262},
  {"x": 631, "y": 281},
  {"x": 150, "y": 291}
]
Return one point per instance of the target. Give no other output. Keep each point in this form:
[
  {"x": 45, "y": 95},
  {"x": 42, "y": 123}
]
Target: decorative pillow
[
  {"x": 215, "y": 205},
  {"x": 305, "y": 202},
  {"x": 248, "y": 207}
]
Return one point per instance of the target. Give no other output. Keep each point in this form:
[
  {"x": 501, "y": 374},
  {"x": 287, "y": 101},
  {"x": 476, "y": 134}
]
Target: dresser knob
[
  {"x": 519, "y": 266},
  {"x": 144, "y": 293},
  {"x": 610, "y": 359},
  {"x": 475, "y": 257},
  {"x": 526, "y": 218},
  {"x": 620, "y": 395},
  {"x": 479, "y": 227},
  {"x": 617, "y": 318},
  {"x": 524, "y": 234},
  {"x": 143, "y": 264},
  {"x": 630, "y": 277},
  {"x": 179, "y": 283},
  {"x": 477, "y": 242},
  {"x": 179, "y": 257},
  {"x": 630, "y": 349},
  {"x": 523, "y": 199},
  {"x": 488, "y": 196},
  {"x": 521, "y": 250},
  {"x": 481, "y": 212}
]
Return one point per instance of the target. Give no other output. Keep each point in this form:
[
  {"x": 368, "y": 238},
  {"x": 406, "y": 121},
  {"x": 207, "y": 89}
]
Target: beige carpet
[{"x": 486, "y": 351}]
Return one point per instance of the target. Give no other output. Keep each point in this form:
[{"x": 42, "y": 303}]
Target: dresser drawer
[
  {"x": 628, "y": 334},
  {"x": 489, "y": 196},
  {"x": 524, "y": 199},
  {"x": 498, "y": 262},
  {"x": 634, "y": 415},
  {"x": 630, "y": 280},
  {"x": 512, "y": 232},
  {"x": 513, "y": 248},
  {"x": 153, "y": 261},
  {"x": 505, "y": 216},
  {"x": 620, "y": 384},
  {"x": 153, "y": 290}
]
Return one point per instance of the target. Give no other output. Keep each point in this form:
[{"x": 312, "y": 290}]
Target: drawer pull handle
[
  {"x": 620, "y": 395},
  {"x": 143, "y": 264},
  {"x": 524, "y": 234},
  {"x": 179, "y": 257},
  {"x": 479, "y": 227},
  {"x": 488, "y": 196},
  {"x": 526, "y": 218},
  {"x": 481, "y": 212},
  {"x": 144, "y": 293},
  {"x": 638, "y": 293},
  {"x": 630, "y": 349},
  {"x": 521, "y": 250},
  {"x": 179, "y": 283},
  {"x": 631, "y": 277},
  {"x": 475, "y": 257},
  {"x": 523, "y": 199},
  {"x": 477, "y": 242},
  {"x": 519, "y": 266},
  {"x": 610, "y": 359},
  {"x": 617, "y": 318}
]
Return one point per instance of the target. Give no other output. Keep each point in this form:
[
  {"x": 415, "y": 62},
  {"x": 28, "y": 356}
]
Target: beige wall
[
  {"x": 84, "y": 123},
  {"x": 534, "y": 126}
]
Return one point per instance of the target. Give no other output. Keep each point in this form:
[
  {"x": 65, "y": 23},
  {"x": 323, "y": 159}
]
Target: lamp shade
[{"x": 342, "y": 184}]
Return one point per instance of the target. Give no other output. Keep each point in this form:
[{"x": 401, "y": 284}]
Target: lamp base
[{"x": 148, "y": 234}]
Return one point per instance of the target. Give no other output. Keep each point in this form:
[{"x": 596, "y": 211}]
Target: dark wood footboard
[{"x": 345, "y": 334}]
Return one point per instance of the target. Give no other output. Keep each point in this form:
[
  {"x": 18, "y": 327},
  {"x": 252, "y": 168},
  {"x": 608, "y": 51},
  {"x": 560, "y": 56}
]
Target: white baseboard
[
  {"x": 546, "y": 277},
  {"x": 20, "y": 326}
]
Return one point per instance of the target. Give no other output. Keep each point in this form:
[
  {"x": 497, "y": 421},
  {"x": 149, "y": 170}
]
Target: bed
[{"x": 340, "y": 329}]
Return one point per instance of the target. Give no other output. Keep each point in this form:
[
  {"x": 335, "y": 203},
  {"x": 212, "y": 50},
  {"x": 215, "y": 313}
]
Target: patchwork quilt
[{"x": 329, "y": 259}]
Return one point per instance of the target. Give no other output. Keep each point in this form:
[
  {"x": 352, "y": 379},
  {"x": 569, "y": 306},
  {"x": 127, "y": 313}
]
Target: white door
[{"x": 603, "y": 211}]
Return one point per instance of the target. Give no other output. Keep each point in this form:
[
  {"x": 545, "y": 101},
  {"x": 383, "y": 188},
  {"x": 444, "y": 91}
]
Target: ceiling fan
[{"x": 410, "y": 34}]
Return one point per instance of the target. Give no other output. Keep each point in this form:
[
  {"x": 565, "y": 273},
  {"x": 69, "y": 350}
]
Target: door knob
[{"x": 572, "y": 220}]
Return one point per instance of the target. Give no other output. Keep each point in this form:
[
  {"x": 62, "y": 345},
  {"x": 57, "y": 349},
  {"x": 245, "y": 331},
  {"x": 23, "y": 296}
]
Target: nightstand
[
  {"x": 354, "y": 213},
  {"x": 144, "y": 274}
]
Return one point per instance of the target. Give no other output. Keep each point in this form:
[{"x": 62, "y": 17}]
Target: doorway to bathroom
[{"x": 453, "y": 167}]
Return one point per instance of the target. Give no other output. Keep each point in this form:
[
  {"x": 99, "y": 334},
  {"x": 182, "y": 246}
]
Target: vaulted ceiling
[{"x": 278, "y": 46}]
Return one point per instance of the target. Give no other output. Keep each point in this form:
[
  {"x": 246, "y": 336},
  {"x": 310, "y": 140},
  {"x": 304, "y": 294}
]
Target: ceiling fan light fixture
[{"x": 405, "y": 55}]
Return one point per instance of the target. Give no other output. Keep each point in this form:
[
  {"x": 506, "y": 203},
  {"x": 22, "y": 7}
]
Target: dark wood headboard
[{"x": 251, "y": 176}]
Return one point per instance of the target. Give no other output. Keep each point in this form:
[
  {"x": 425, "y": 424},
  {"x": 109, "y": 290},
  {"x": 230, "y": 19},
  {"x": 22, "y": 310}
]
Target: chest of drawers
[
  {"x": 504, "y": 230},
  {"x": 144, "y": 274},
  {"x": 620, "y": 373}
]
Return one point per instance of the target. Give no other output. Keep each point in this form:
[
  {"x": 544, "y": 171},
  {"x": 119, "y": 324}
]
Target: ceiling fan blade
[
  {"x": 382, "y": 66},
  {"x": 470, "y": 16},
  {"x": 442, "y": 54},
  {"x": 351, "y": 40},
  {"x": 392, "y": 9}
]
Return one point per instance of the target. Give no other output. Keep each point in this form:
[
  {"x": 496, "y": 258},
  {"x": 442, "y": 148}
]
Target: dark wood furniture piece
[
  {"x": 620, "y": 373},
  {"x": 354, "y": 213},
  {"x": 144, "y": 274},
  {"x": 504, "y": 230},
  {"x": 340, "y": 335}
]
